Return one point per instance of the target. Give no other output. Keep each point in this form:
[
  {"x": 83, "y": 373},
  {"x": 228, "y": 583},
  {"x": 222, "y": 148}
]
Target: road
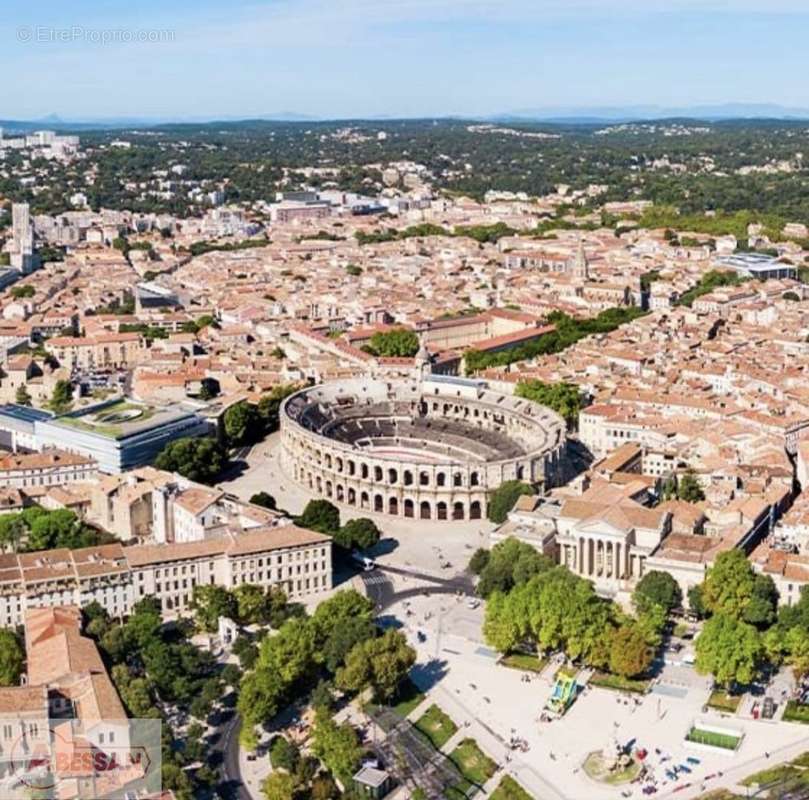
[{"x": 380, "y": 589}]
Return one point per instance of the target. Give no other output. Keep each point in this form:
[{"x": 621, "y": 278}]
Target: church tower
[{"x": 579, "y": 269}]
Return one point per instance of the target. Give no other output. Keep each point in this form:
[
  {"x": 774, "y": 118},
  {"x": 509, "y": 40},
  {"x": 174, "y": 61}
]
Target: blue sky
[{"x": 344, "y": 58}]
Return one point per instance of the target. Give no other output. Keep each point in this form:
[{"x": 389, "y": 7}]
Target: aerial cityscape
[{"x": 444, "y": 437}]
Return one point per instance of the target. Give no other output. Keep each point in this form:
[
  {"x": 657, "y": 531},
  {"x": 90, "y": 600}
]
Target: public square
[{"x": 493, "y": 703}]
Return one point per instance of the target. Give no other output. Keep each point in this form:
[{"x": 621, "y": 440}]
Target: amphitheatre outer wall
[{"x": 431, "y": 449}]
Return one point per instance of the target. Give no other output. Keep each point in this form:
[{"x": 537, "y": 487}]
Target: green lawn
[
  {"x": 724, "y": 740},
  {"x": 525, "y": 661},
  {"x": 473, "y": 763},
  {"x": 796, "y": 712},
  {"x": 407, "y": 698},
  {"x": 509, "y": 789},
  {"x": 607, "y": 680},
  {"x": 774, "y": 774},
  {"x": 724, "y": 701},
  {"x": 802, "y": 760},
  {"x": 436, "y": 726}
]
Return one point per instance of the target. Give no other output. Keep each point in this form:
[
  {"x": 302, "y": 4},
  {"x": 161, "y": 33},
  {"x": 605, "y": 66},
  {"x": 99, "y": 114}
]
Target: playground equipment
[{"x": 563, "y": 694}]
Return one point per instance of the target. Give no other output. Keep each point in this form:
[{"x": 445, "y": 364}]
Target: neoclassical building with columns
[
  {"x": 606, "y": 535},
  {"x": 429, "y": 448}
]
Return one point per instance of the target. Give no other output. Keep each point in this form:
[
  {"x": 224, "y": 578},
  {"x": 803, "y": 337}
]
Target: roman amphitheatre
[{"x": 430, "y": 449}]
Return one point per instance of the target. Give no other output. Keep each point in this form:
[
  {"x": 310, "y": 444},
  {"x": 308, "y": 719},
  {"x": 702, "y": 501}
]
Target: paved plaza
[{"x": 492, "y": 703}]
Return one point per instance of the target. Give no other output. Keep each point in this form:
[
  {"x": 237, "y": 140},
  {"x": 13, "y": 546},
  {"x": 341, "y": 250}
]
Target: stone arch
[
  {"x": 393, "y": 505},
  {"x": 364, "y": 471},
  {"x": 475, "y": 510},
  {"x": 457, "y": 479},
  {"x": 520, "y": 472},
  {"x": 441, "y": 510},
  {"x": 352, "y": 497},
  {"x": 339, "y": 464},
  {"x": 364, "y": 501},
  {"x": 393, "y": 475},
  {"x": 328, "y": 489},
  {"x": 378, "y": 474},
  {"x": 352, "y": 467},
  {"x": 458, "y": 511},
  {"x": 340, "y": 493},
  {"x": 425, "y": 512},
  {"x": 409, "y": 508},
  {"x": 440, "y": 479},
  {"x": 379, "y": 503},
  {"x": 424, "y": 478},
  {"x": 328, "y": 461},
  {"x": 474, "y": 479},
  {"x": 408, "y": 477}
]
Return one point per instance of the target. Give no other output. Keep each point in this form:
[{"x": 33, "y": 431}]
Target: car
[{"x": 473, "y": 602}]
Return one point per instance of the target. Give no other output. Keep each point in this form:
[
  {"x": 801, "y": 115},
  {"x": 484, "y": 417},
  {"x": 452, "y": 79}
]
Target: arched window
[
  {"x": 393, "y": 506},
  {"x": 424, "y": 479},
  {"x": 424, "y": 510},
  {"x": 408, "y": 478},
  {"x": 474, "y": 510},
  {"x": 457, "y": 479},
  {"x": 408, "y": 508},
  {"x": 457, "y": 511},
  {"x": 440, "y": 479},
  {"x": 441, "y": 510}
]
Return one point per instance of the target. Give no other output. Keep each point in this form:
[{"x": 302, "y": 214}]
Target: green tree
[
  {"x": 343, "y": 638},
  {"x": 380, "y": 663},
  {"x": 564, "y": 398},
  {"x": 510, "y": 563},
  {"x": 12, "y": 658},
  {"x": 320, "y": 515},
  {"x": 252, "y": 604},
  {"x": 284, "y": 754},
  {"x": 630, "y": 655},
  {"x": 261, "y": 695},
  {"x": 241, "y": 421},
  {"x": 209, "y": 603},
  {"x": 290, "y": 653},
  {"x": 657, "y": 588},
  {"x": 12, "y": 531},
  {"x": 336, "y": 745},
  {"x": 280, "y": 786},
  {"x": 729, "y": 649},
  {"x": 270, "y": 403},
  {"x": 263, "y": 499},
  {"x": 62, "y": 397},
  {"x": 198, "y": 459},
  {"x": 22, "y": 397},
  {"x": 396, "y": 343},
  {"x": 731, "y": 587},
  {"x": 479, "y": 561},
  {"x": 359, "y": 533},
  {"x": 341, "y": 608},
  {"x": 689, "y": 489},
  {"x": 696, "y": 604},
  {"x": 504, "y": 497}
]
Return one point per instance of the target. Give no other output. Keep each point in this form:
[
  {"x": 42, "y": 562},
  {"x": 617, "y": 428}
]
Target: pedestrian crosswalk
[{"x": 373, "y": 580}]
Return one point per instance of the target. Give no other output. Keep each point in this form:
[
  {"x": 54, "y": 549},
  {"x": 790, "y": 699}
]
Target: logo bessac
[{"x": 42, "y": 756}]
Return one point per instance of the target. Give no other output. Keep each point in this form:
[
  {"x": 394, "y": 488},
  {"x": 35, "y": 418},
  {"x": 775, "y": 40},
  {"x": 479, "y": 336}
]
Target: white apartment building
[{"x": 287, "y": 557}]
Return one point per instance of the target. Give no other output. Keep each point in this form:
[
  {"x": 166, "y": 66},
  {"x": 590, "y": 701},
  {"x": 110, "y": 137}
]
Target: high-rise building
[{"x": 22, "y": 232}]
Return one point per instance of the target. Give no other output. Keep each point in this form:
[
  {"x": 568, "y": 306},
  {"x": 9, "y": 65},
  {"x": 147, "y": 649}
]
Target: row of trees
[
  {"x": 568, "y": 331},
  {"x": 35, "y": 528},
  {"x": 203, "y": 458},
  {"x": 155, "y": 667},
  {"x": 533, "y": 603},
  {"x": 246, "y": 604},
  {"x": 323, "y": 516},
  {"x": 339, "y": 642},
  {"x": 565, "y": 399}
]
